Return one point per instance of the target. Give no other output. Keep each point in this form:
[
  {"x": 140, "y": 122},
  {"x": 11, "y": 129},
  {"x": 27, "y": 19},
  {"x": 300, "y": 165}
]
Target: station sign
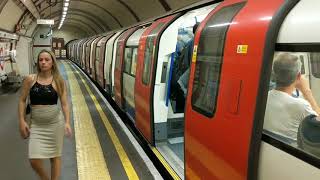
[{"x": 45, "y": 21}]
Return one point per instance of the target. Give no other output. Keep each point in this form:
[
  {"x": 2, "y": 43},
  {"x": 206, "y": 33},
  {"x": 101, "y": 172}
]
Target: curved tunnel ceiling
[
  {"x": 99, "y": 16},
  {"x": 88, "y": 16},
  {"x": 85, "y": 18}
]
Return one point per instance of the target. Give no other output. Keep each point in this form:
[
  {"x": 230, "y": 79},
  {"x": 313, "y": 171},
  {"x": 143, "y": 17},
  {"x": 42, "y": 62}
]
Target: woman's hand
[
  {"x": 24, "y": 130},
  {"x": 67, "y": 130}
]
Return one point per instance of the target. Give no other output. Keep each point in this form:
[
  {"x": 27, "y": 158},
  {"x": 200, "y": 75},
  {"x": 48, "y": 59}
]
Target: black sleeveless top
[{"x": 43, "y": 94}]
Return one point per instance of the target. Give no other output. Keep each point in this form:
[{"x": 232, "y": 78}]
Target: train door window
[
  {"x": 209, "y": 60},
  {"x": 127, "y": 60},
  {"x": 134, "y": 61},
  {"x": 97, "y": 61},
  {"x": 291, "y": 117},
  {"x": 315, "y": 64},
  {"x": 118, "y": 55},
  {"x": 149, "y": 54},
  {"x": 97, "y": 53}
]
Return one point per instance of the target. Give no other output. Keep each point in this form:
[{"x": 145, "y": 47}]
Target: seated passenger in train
[{"x": 285, "y": 112}]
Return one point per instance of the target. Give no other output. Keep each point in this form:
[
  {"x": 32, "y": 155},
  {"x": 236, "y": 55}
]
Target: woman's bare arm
[
  {"x": 23, "y": 97},
  {"x": 66, "y": 110},
  {"x": 23, "y": 126},
  {"x": 65, "y": 104}
]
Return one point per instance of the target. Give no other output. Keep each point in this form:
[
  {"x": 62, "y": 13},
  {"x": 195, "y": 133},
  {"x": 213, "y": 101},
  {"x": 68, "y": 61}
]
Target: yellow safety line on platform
[
  {"x": 165, "y": 164},
  {"x": 90, "y": 160},
  {"x": 131, "y": 173}
]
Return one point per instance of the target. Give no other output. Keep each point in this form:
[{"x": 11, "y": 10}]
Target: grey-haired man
[{"x": 285, "y": 112}]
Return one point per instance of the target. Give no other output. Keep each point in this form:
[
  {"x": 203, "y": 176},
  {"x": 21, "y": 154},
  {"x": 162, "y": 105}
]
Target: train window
[
  {"x": 134, "y": 61},
  {"x": 209, "y": 60},
  {"x": 149, "y": 54},
  {"x": 315, "y": 64},
  {"x": 291, "y": 115},
  {"x": 127, "y": 60}
]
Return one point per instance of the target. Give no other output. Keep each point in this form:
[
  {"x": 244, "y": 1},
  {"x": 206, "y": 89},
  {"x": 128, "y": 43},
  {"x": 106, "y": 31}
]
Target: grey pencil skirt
[{"x": 46, "y": 132}]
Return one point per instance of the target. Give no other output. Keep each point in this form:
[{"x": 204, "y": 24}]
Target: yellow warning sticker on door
[
  {"x": 194, "y": 54},
  {"x": 242, "y": 49}
]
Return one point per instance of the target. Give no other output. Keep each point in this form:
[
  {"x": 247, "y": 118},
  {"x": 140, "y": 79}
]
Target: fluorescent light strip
[{"x": 64, "y": 12}]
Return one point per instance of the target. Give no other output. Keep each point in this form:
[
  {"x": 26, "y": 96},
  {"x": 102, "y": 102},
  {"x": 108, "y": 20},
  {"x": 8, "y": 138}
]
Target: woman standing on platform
[{"x": 47, "y": 127}]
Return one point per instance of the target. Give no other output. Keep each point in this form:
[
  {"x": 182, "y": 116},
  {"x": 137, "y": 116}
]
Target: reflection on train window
[
  {"x": 302, "y": 64},
  {"x": 134, "y": 61},
  {"x": 83, "y": 55},
  {"x": 127, "y": 60},
  {"x": 118, "y": 55},
  {"x": 289, "y": 116},
  {"x": 149, "y": 53},
  {"x": 315, "y": 64},
  {"x": 209, "y": 60},
  {"x": 97, "y": 71}
]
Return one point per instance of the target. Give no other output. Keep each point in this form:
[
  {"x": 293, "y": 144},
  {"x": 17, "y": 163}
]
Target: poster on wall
[
  {"x": 57, "y": 53},
  {"x": 4, "y": 56}
]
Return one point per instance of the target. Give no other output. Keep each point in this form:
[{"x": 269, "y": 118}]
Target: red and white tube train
[{"x": 200, "y": 98}]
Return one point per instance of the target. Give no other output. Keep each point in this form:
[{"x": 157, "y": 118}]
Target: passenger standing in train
[
  {"x": 184, "y": 78},
  {"x": 284, "y": 112},
  {"x": 47, "y": 128}
]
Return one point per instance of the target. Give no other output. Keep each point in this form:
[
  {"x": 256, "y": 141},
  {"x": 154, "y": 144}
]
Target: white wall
[
  {"x": 24, "y": 55},
  {"x": 41, "y": 41},
  {"x": 69, "y": 34},
  {"x": 9, "y": 16}
]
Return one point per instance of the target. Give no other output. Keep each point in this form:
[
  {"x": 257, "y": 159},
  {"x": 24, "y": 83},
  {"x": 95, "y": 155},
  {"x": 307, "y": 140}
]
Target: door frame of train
[
  {"x": 269, "y": 49},
  {"x": 87, "y": 50},
  {"x": 148, "y": 134},
  {"x": 109, "y": 59},
  {"x": 102, "y": 60},
  {"x": 93, "y": 56}
]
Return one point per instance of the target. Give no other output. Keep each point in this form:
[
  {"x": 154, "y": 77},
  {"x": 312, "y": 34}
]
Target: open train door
[
  {"x": 223, "y": 125},
  {"x": 144, "y": 84},
  {"x": 119, "y": 65}
]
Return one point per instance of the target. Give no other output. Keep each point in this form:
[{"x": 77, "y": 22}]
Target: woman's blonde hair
[{"x": 55, "y": 70}]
